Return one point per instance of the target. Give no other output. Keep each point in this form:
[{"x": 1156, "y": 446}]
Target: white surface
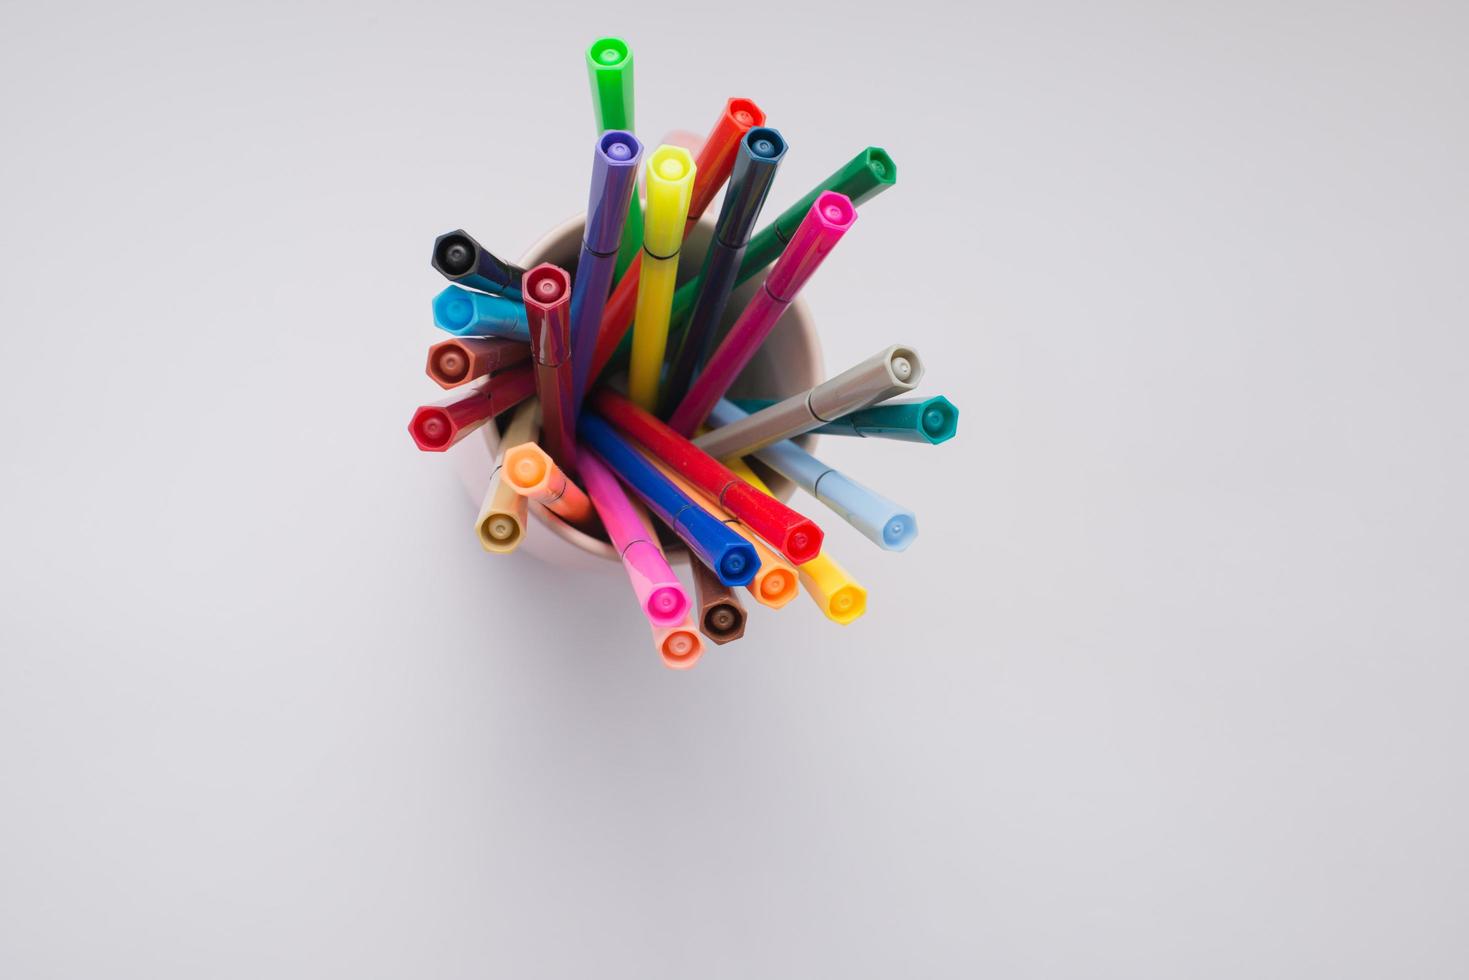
[{"x": 1171, "y": 685}]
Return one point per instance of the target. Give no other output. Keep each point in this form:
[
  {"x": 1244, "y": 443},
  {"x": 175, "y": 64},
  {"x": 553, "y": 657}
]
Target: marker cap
[
  {"x": 609, "y": 69},
  {"x": 670, "y": 187},
  {"x": 614, "y": 176},
  {"x": 680, "y": 646},
  {"x": 760, "y": 154},
  {"x": 437, "y": 426},
  {"x": 866, "y": 175},
  {"x": 460, "y": 360},
  {"x": 824, "y": 225},
  {"x": 465, "y": 313},
  {"x": 721, "y": 617},
  {"x": 460, "y": 259},
  {"x": 547, "y": 293},
  {"x": 716, "y": 157},
  {"x": 887, "y": 373},
  {"x": 881, "y": 521},
  {"x": 500, "y": 524},
  {"x": 838, "y": 595}
]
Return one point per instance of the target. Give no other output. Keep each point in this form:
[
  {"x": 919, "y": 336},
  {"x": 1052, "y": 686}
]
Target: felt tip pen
[
  {"x": 460, "y": 360},
  {"x": 891, "y": 371},
  {"x": 712, "y": 166},
  {"x": 930, "y": 420},
  {"x": 660, "y": 594},
  {"x": 839, "y": 596},
  {"x": 881, "y": 521},
  {"x": 709, "y": 539},
  {"x": 679, "y": 646},
  {"x": 794, "y": 536},
  {"x": 437, "y": 426},
  {"x": 861, "y": 178},
  {"x": 547, "y": 291},
  {"x": 614, "y": 178},
  {"x": 721, "y": 617},
  {"x": 760, "y": 154},
  {"x": 500, "y": 523},
  {"x": 824, "y": 225},
  {"x": 670, "y": 184},
  {"x": 530, "y": 471},
  {"x": 465, "y": 262},
  {"x": 466, "y": 313},
  {"x": 775, "y": 584},
  {"x": 610, "y": 72}
]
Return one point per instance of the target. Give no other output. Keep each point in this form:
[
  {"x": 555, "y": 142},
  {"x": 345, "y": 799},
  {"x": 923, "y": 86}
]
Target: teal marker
[{"x": 931, "y": 420}]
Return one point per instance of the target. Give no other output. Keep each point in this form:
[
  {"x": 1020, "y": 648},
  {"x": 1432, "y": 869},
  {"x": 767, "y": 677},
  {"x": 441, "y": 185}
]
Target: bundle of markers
[{"x": 546, "y": 347}]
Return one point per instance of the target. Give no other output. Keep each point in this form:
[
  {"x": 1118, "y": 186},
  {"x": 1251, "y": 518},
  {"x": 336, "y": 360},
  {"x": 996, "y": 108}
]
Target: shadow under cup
[{"x": 789, "y": 361}]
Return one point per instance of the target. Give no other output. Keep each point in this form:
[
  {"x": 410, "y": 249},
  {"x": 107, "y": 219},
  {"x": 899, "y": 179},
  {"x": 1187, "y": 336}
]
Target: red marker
[
  {"x": 788, "y": 532},
  {"x": 715, "y": 160},
  {"x": 438, "y": 426},
  {"x": 547, "y": 292},
  {"x": 460, "y": 360}
]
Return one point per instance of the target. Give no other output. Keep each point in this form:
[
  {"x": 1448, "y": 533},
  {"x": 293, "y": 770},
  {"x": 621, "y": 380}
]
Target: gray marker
[
  {"x": 881, "y": 376},
  {"x": 880, "y": 520}
]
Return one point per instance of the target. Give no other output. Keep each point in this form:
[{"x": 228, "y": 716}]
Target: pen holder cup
[{"x": 788, "y": 362}]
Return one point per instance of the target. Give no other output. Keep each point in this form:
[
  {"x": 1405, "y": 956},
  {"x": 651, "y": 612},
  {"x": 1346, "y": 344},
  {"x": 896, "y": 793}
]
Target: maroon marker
[
  {"x": 438, "y": 426},
  {"x": 547, "y": 293},
  {"x": 460, "y": 360}
]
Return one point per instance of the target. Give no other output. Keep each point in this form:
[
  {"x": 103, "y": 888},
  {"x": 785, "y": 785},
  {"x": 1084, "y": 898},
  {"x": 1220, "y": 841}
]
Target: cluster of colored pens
[{"x": 542, "y": 342}]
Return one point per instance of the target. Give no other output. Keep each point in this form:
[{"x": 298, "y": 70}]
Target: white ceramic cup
[{"x": 788, "y": 362}]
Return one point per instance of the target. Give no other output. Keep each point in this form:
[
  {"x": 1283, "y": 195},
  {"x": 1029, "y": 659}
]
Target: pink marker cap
[
  {"x": 830, "y": 216},
  {"x": 660, "y": 594}
]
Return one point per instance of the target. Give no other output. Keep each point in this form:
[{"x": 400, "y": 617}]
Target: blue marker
[
  {"x": 614, "y": 178},
  {"x": 931, "y": 420},
  {"x": 732, "y": 557},
  {"x": 465, "y": 313},
  {"x": 880, "y": 520}
]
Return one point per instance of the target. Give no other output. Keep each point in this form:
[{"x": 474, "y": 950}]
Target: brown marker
[
  {"x": 721, "y": 617},
  {"x": 460, "y": 360}
]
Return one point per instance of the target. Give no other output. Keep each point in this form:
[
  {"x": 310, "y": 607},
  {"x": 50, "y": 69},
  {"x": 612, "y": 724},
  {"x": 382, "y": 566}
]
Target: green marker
[
  {"x": 609, "y": 69},
  {"x": 931, "y": 420},
  {"x": 866, "y": 175}
]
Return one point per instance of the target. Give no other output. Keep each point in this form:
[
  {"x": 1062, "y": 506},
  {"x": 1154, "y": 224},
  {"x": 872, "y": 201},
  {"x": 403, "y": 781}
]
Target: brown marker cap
[
  {"x": 721, "y": 617},
  {"x": 460, "y": 360}
]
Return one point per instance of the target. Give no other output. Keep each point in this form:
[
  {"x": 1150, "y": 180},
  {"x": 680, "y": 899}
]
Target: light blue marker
[
  {"x": 880, "y": 520},
  {"x": 466, "y": 313}
]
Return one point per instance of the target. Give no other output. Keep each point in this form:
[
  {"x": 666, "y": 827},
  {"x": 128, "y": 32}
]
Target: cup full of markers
[{"x": 646, "y": 400}]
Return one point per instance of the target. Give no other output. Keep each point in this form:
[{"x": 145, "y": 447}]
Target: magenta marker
[
  {"x": 659, "y": 591},
  {"x": 830, "y": 216}
]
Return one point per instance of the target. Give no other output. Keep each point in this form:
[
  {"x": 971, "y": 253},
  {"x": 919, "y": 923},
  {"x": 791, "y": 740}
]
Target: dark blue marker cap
[{"x": 759, "y": 155}]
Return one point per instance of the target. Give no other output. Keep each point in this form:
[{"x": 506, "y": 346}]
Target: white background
[{"x": 1171, "y": 683}]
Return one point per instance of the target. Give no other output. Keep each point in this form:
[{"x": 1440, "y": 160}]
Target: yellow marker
[
  {"x": 501, "y": 520},
  {"x": 774, "y": 584},
  {"x": 840, "y": 597},
  {"x": 670, "y": 186}
]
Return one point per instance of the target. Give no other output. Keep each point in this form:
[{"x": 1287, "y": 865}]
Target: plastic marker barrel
[
  {"x": 928, "y": 420},
  {"x": 462, "y": 260},
  {"x": 861, "y": 178},
  {"x": 707, "y": 538},
  {"x": 465, "y": 313},
  {"x": 839, "y": 596},
  {"x": 889, "y": 372},
  {"x": 670, "y": 184},
  {"x": 534, "y": 474},
  {"x": 547, "y": 290},
  {"x": 824, "y": 225},
  {"x": 679, "y": 646},
  {"x": 500, "y": 523},
  {"x": 460, "y": 360},
  {"x": 438, "y": 426},
  {"x": 721, "y": 617},
  {"x": 712, "y": 166},
  {"x": 660, "y": 594},
  {"x": 610, "y": 72}
]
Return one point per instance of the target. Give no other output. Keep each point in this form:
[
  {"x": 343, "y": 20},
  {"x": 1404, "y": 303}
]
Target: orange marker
[
  {"x": 532, "y": 473},
  {"x": 679, "y": 645}
]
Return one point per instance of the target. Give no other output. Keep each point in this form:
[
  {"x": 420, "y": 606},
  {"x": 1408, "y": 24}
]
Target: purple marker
[{"x": 614, "y": 177}]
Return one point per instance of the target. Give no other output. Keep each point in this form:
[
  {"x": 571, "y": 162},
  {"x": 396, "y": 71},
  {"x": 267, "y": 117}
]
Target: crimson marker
[
  {"x": 794, "y": 536},
  {"x": 547, "y": 292},
  {"x": 438, "y": 426},
  {"x": 460, "y": 360}
]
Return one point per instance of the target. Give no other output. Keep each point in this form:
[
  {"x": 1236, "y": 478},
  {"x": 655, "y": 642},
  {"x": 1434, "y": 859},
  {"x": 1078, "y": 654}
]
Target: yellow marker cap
[{"x": 670, "y": 188}]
